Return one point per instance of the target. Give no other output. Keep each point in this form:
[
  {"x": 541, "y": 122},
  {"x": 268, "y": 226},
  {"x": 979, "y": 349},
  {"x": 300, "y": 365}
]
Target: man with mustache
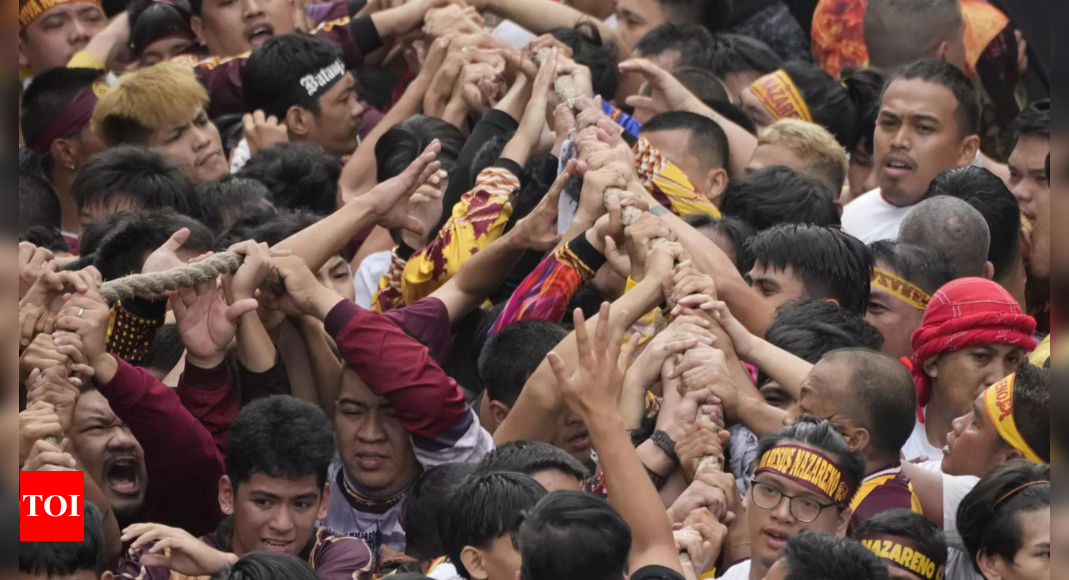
[{"x": 928, "y": 123}]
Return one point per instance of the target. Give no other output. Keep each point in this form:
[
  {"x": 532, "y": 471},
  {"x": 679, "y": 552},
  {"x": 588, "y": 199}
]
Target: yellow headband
[
  {"x": 900, "y": 289},
  {"x": 31, "y": 10},
  {"x": 778, "y": 93},
  {"x": 999, "y": 403}
]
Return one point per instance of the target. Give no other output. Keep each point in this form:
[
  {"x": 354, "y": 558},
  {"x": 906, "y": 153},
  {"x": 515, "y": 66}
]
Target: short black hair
[
  {"x": 914, "y": 527},
  {"x": 708, "y": 141},
  {"x": 531, "y": 457},
  {"x": 48, "y": 238},
  {"x": 52, "y": 559},
  {"x": 1034, "y": 120},
  {"x": 512, "y": 355},
  {"x": 738, "y": 53},
  {"x": 737, "y": 231},
  {"x": 946, "y": 75},
  {"x": 952, "y": 226},
  {"x": 591, "y": 51},
  {"x": 272, "y": 75},
  {"x": 49, "y": 94},
  {"x": 866, "y": 90},
  {"x": 820, "y": 435},
  {"x": 166, "y": 350},
  {"x": 928, "y": 269},
  {"x": 989, "y": 517},
  {"x": 423, "y": 508},
  {"x": 136, "y": 235},
  {"x": 140, "y": 173},
  {"x": 151, "y": 21},
  {"x": 298, "y": 175},
  {"x": 830, "y": 103},
  {"x": 692, "y": 42},
  {"x": 988, "y": 194},
  {"x": 714, "y": 15},
  {"x": 702, "y": 84},
  {"x": 283, "y": 225},
  {"x": 483, "y": 509},
  {"x": 399, "y": 147},
  {"x": 574, "y": 535},
  {"x": 813, "y": 556},
  {"x": 268, "y": 566},
  {"x": 39, "y": 204},
  {"x": 1031, "y": 399},
  {"x": 778, "y": 195},
  {"x": 810, "y": 329},
  {"x": 735, "y": 114},
  {"x": 831, "y": 263},
  {"x": 886, "y": 396},
  {"x": 223, "y": 202},
  {"x": 281, "y": 437}
]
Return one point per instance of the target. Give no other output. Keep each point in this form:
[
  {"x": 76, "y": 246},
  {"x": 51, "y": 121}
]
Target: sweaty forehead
[{"x": 913, "y": 97}]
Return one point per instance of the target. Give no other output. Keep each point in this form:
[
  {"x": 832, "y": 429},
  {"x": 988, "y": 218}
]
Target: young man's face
[
  {"x": 376, "y": 449},
  {"x": 896, "y": 320},
  {"x": 335, "y": 274},
  {"x": 770, "y": 530},
  {"x": 1032, "y": 561},
  {"x": 1028, "y": 175},
  {"x": 572, "y": 436},
  {"x": 917, "y": 138},
  {"x": 50, "y": 41},
  {"x": 195, "y": 146},
  {"x": 164, "y": 50},
  {"x": 274, "y": 515},
  {"x": 974, "y": 443},
  {"x": 337, "y": 126},
  {"x": 110, "y": 453},
  {"x": 637, "y": 17},
  {"x": 959, "y": 377},
  {"x": 775, "y": 286},
  {"x": 112, "y": 206},
  {"x": 234, "y": 27}
]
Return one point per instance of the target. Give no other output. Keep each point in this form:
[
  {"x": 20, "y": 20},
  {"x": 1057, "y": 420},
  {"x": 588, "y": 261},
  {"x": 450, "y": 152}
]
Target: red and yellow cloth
[
  {"x": 966, "y": 313},
  {"x": 668, "y": 184},
  {"x": 781, "y": 97}
]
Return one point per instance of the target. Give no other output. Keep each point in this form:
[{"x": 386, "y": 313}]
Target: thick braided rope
[
  {"x": 566, "y": 91},
  {"x": 150, "y": 286}
]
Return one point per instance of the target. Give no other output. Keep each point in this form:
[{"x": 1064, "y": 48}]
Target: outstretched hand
[
  {"x": 538, "y": 231},
  {"x": 388, "y": 201},
  {"x": 668, "y": 93},
  {"x": 593, "y": 389}
]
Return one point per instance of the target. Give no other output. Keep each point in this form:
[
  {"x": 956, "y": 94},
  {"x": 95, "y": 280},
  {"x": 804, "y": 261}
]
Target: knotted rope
[{"x": 151, "y": 286}]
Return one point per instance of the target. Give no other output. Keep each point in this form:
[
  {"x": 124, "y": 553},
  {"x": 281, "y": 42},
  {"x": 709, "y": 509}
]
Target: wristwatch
[{"x": 665, "y": 443}]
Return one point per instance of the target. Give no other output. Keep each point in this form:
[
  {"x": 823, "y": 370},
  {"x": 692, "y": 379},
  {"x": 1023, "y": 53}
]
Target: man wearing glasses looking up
[{"x": 805, "y": 480}]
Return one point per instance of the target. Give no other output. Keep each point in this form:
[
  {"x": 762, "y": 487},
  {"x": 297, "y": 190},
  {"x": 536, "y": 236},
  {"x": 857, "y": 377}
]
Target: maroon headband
[
  {"x": 72, "y": 120},
  {"x": 906, "y": 555},
  {"x": 811, "y": 469}
]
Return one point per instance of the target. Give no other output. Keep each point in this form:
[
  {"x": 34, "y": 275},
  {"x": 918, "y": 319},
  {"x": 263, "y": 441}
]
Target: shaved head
[
  {"x": 898, "y": 32},
  {"x": 953, "y": 227}
]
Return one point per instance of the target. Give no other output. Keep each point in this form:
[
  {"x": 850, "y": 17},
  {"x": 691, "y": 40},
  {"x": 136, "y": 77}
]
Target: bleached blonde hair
[
  {"x": 824, "y": 155},
  {"x": 144, "y": 101}
]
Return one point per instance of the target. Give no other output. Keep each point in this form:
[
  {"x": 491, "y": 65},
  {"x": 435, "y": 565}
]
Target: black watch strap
[{"x": 665, "y": 443}]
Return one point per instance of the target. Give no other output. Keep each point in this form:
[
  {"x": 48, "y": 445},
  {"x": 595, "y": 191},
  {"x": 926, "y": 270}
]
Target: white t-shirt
[
  {"x": 371, "y": 271},
  {"x": 739, "y": 571},
  {"x": 871, "y": 219},
  {"x": 918, "y": 446},
  {"x": 959, "y": 566},
  {"x": 444, "y": 571}
]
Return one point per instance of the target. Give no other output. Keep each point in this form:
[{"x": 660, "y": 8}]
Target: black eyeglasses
[{"x": 803, "y": 509}]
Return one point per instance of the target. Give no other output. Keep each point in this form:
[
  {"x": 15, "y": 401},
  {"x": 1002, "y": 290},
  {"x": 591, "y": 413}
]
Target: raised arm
[{"x": 592, "y": 391}]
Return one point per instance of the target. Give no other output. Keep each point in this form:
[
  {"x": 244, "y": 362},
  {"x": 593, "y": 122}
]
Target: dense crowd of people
[{"x": 540, "y": 290}]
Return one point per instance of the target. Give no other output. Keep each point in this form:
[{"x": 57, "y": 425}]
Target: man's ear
[
  {"x": 196, "y": 24},
  {"x": 298, "y": 121},
  {"x": 931, "y": 367},
  {"x": 499, "y": 411},
  {"x": 860, "y": 439},
  {"x": 324, "y": 507},
  {"x": 833, "y": 301},
  {"x": 942, "y": 51},
  {"x": 472, "y": 560},
  {"x": 64, "y": 153},
  {"x": 23, "y": 60},
  {"x": 717, "y": 180},
  {"x": 844, "y": 522},
  {"x": 107, "y": 576},
  {"x": 226, "y": 495},
  {"x": 969, "y": 148},
  {"x": 990, "y": 566},
  {"x": 989, "y": 271}
]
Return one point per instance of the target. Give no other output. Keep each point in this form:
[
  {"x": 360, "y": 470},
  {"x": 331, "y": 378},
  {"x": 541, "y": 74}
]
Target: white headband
[{"x": 323, "y": 80}]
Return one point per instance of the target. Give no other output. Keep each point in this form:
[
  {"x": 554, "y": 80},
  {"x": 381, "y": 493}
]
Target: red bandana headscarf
[{"x": 965, "y": 313}]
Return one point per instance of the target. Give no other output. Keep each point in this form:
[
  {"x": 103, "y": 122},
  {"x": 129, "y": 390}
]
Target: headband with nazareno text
[
  {"x": 901, "y": 289},
  {"x": 999, "y": 403},
  {"x": 322, "y": 81},
  {"x": 809, "y": 468},
  {"x": 778, "y": 93},
  {"x": 31, "y": 10},
  {"x": 904, "y": 555}
]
